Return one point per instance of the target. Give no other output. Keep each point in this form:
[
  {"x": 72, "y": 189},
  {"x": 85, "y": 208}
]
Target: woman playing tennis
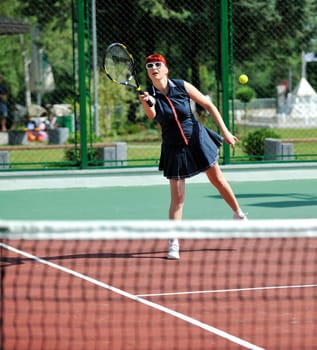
[{"x": 187, "y": 148}]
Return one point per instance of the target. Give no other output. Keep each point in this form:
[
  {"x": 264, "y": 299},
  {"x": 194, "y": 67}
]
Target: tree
[
  {"x": 269, "y": 37},
  {"x": 245, "y": 94}
]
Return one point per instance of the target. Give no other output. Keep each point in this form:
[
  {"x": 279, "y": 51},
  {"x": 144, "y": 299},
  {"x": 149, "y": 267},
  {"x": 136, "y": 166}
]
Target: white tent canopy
[
  {"x": 301, "y": 105},
  {"x": 304, "y": 89}
]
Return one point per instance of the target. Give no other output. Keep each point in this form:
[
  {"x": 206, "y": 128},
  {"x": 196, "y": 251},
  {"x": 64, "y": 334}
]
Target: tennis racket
[{"x": 119, "y": 66}]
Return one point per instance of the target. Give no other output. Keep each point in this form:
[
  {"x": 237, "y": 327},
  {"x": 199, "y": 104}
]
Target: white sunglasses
[{"x": 153, "y": 65}]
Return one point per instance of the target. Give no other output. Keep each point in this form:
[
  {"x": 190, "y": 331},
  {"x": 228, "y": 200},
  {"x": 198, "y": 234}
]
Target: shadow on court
[
  {"x": 158, "y": 254},
  {"x": 284, "y": 201}
]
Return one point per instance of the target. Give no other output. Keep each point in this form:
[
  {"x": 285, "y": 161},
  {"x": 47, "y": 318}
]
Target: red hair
[{"x": 156, "y": 58}]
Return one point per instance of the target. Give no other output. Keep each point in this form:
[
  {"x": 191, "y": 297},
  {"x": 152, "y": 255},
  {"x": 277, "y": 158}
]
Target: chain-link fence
[
  {"x": 68, "y": 114},
  {"x": 274, "y": 43},
  {"x": 37, "y": 64}
]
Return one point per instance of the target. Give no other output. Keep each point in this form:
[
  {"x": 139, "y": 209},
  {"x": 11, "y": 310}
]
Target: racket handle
[{"x": 149, "y": 102}]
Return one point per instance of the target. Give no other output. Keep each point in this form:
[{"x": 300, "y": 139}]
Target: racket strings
[{"x": 119, "y": 65}]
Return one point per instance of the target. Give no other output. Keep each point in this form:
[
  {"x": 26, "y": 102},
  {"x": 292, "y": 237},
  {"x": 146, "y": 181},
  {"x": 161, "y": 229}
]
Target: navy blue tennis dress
[{"x": 188, "y": 148}]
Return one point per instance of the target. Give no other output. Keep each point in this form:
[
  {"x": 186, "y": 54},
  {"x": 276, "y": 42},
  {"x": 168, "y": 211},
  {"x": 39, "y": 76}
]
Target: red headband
[{"x": 156, "y": 58}]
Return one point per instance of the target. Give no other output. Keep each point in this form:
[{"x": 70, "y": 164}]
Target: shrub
[
  {"x": 73, "y": 154},
  {"x": 253, "y": 144},
  {"x": 245, "y": 94}
]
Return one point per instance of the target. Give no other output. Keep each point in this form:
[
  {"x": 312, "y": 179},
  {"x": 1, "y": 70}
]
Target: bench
[
  {"x": 116, "y": 151},
  {"x": 283, "y": 149}
]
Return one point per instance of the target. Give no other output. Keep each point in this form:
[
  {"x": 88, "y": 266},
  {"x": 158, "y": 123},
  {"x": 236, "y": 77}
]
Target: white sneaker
[
  {"x": 239, "y": 215},
  {"x": 173, "y": 250}
]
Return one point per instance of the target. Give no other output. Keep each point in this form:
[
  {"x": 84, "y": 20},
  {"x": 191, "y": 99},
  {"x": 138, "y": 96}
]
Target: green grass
[
  {"x": 144, "y": 149},
  {"x": 302, "y": 151}
]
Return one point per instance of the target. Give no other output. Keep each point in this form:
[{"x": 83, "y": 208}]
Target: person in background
[
  {"x": 3, "y": 105},
  {"x": 188, "y": 148}
]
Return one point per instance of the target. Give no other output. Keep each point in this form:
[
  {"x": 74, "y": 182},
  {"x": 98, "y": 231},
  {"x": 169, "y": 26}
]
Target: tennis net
[{"x": 107, "y": 285}]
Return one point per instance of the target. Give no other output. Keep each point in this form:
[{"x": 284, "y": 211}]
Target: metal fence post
[
  {"x": 82, "y": 84},
  {"x": 224, "y": 57}
]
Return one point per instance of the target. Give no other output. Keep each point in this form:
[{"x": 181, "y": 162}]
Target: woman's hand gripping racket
[{"x": 118, "y": 64}]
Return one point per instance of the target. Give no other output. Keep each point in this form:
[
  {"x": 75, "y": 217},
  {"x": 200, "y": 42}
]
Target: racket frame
[{"x": 133, "y": 71}]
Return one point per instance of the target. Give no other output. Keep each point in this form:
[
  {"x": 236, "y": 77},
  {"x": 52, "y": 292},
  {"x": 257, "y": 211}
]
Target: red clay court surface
[
  {"x": 260, "y": 293},
  {"x": 221, "y": 294}
]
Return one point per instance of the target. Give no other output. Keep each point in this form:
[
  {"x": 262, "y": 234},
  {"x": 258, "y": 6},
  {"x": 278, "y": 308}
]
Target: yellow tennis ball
[{"x": 243, "y": 79}]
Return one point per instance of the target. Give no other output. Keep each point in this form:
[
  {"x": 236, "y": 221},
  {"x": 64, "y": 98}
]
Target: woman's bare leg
[
  {"x": 217, "y": 178},
  {"x": 177, "y": 190}
]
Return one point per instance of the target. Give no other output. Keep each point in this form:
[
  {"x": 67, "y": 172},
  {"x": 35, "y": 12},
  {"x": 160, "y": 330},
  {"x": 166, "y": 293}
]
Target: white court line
[
  {"x": 229, "y": 290},
  {"x": 137, "y": 298},
  {"x": 126, "y": 177}
]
